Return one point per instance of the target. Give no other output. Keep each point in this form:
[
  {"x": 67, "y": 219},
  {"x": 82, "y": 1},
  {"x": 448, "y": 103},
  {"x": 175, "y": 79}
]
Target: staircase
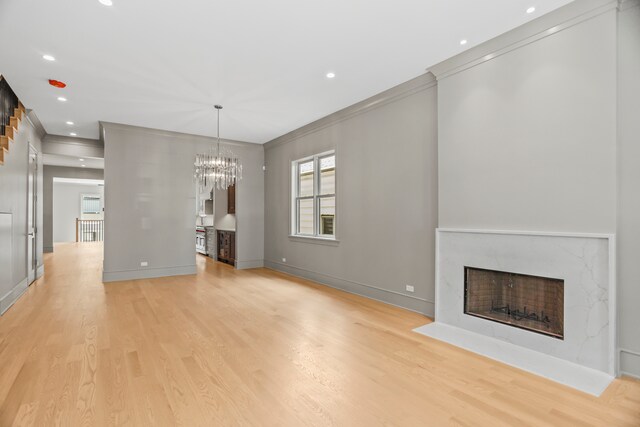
[{"x": 11, "y": 113}]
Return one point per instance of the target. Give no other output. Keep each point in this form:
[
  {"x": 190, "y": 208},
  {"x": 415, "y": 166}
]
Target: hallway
[{"x": 253, "y": 347}]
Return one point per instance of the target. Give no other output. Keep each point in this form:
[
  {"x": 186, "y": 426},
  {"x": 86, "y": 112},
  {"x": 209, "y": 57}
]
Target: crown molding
[
  {"x": 552, "y": 23},
  {"x": 106, "y": 126},
  {"x": 624, "y": 5},
  {"x": 418, "y": 84},
  {"x": 36, "y": 123}
]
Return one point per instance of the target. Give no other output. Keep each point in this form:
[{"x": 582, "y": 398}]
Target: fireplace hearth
[{"x": 529, "y": 302}]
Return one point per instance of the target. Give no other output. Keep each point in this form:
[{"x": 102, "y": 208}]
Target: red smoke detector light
[{"x": 58, "y": 84}]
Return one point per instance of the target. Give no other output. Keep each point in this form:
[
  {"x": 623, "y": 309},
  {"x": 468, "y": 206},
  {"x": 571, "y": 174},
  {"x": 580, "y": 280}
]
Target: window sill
[{"x": 314, "y": 240}]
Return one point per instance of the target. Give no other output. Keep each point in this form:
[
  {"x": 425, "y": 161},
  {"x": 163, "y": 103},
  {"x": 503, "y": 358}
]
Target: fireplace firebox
[{"x": 520, "y": 300}]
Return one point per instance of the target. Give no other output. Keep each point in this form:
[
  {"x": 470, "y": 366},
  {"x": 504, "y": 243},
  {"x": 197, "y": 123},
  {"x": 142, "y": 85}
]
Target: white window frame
[
  {"x": 316, "y": 197},
  {"x": 92, "y": 196}
]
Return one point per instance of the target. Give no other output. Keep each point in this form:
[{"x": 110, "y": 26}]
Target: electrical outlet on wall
[
  {"x": 284, "y": 260},
  {"x": 144, "y": 264},
  {"x": 410, "y": 288}
]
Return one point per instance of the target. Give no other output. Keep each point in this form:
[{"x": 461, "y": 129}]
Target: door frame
[{"x": 32, "y": 214}]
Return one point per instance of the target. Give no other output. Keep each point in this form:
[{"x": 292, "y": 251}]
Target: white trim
[
  {"x": 624, "y": 5},
  {"x": 614, "y": 364},
  {"x": 315, "y": 197},
  {"x": 244, "y": 265},
  {"x": 527, "y": 233},
  {"x": 13, "y": 295},
  {"x": 191, "y": 137},
  {"x": 545, "y": 26},
  {"x": 436, "y": 315},
  {"x": 409, "y": 302},
  {"x": 313, "y": 239},
  {"x": 147, "y": 273},
  {"x": 634, "y": 355},
  {"x": 396, "y": 93}
]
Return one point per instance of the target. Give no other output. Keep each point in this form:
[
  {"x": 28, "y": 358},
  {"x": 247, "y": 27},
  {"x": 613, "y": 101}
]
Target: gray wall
[
  {"x": 150, "y": 202},
  {"x": 13, "y": 200},
  {"x": 527, "y": 139},
  {"x": 628, "y": 234},
  {"x": 73, "y": 146},
  {"x": 223, "y": 220},
  {"x": 386, "y": 154},
  {"x": 51, "y": 172},
  {"x": 538, "y": 130},
  {"x": 541, "y": 133}
]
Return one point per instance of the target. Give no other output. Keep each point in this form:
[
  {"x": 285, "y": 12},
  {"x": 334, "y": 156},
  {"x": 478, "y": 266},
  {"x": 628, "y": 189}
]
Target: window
[
  {"x": 90, "y": 205},
  {"x": 314, "y": 196}
]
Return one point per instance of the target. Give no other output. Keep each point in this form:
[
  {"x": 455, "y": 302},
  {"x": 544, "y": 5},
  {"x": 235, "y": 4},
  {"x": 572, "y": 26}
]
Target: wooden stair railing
[{"x": 12, "y": 113}]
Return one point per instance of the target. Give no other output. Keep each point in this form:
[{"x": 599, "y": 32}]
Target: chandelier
[{"x": 220, "y": 168}]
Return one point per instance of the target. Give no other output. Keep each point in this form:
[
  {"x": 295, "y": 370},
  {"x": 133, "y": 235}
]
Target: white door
[{"x": 32, "y": 204}]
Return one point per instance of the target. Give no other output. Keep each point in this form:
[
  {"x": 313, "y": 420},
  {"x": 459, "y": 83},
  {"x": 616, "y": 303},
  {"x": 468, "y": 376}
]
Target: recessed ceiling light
[
  {"x": 106, "y": 2},
  {"x": 84, "y": 166},
  {"x": 70, "y": 123},
  {"x": 48, "y": 57},
  {"x": 82, "y": 160},
  {"x": 62, "y": 99},
  {"x": 531, "y": 9},
  {"x": 331, "y": 75},
  {"x": 73, "y": 134},
  {"x": 463, "y": 42}
]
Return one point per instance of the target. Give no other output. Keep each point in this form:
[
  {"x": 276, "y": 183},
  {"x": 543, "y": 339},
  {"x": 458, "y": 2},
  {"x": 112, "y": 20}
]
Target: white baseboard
[
  {"x": 629, "y": 363},
  {"x": 419, "y": 305},
  {"x": 12, "y": 296},
  {"x": 40, "y": 272},
  {"x": 243, "y": 265},
  {"x": 147, "y": 273}
]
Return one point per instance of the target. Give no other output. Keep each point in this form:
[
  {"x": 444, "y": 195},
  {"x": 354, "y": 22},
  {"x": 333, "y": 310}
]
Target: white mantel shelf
[{"x": 585, "y": 358}]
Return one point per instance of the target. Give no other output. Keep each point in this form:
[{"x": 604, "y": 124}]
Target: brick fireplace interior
[{"x": 528, "y": 302}]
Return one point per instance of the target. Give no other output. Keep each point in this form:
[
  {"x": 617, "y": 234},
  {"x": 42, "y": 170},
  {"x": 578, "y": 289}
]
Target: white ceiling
[
  {"x": 162, "y": 64},
  {"x": 71, "y": 161}
]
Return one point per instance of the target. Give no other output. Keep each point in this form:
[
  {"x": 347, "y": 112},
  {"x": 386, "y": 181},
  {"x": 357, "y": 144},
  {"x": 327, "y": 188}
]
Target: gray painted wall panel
[
  {"x": 545, "y": 137},
  {"x": 527, "y": 140},
  {"x": 72, "y": 146},
  {"x": 6, "y": 246},
  {"x": 150, "y": 211},
  {"x": 386, "y": 214},
  {"x": 13, "y": 199},
  {"x": 628, "y": 187}
]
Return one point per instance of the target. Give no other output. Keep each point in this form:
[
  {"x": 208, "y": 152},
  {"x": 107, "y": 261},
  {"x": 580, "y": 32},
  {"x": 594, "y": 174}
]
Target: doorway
[
  {"x": 32, "y": 215},
  {"x": 78, "y": 210}
]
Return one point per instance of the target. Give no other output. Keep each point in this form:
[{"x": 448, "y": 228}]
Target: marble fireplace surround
[{"x": 585, "y": 358}]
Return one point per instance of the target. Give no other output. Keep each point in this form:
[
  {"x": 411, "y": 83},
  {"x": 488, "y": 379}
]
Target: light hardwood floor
[{"x": 256, "y": 347}]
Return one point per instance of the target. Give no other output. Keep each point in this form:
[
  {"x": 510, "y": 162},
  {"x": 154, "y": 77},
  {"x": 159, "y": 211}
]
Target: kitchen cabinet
[
  {"x": 201, "y": 240},
  {"x": 227, "y": 247}
]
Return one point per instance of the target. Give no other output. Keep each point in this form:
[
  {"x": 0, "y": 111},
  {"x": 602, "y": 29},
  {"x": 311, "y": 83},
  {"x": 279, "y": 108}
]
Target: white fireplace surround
[{"x": 585, "y": 358}]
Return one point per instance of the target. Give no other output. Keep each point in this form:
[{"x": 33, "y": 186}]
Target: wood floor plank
[{"x": 254, "y": 348}]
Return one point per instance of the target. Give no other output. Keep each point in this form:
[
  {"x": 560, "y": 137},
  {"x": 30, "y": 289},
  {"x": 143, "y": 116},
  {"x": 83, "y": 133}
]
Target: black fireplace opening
[{"x": 533, "y": 303}]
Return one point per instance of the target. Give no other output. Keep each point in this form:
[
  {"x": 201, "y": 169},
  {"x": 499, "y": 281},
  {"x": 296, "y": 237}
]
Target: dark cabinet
[
  {"x": 227, "y": 247},
  {"x": 231, "y": 199}
]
